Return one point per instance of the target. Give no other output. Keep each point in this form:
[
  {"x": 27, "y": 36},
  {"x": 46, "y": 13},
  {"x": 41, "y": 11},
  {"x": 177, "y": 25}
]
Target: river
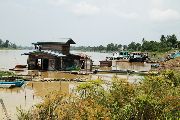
[{"x": 33, "y": 92}]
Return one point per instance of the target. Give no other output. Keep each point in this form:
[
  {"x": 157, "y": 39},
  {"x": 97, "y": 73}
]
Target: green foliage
[
  {"x": 165, "y": 44},
  {"x": 134, "y": 46},
  {"x": 155, "y": 97},
  {"x": 23, "y": 115},
  {"x": 7, "y": 44},
  {"x": 6, "y": 73}
]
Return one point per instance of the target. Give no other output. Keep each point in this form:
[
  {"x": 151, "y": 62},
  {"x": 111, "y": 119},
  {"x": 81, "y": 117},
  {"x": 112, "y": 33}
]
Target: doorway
[{"x": 45, "y": 64}]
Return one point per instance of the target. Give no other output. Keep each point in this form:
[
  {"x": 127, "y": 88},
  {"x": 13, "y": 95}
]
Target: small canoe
[{"x": 17, "y": 83}]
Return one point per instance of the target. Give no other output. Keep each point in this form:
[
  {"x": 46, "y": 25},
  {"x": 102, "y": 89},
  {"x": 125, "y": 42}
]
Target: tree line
[
  {"x": 164, "y": 44},
  {"x": 7, "y": 44}
]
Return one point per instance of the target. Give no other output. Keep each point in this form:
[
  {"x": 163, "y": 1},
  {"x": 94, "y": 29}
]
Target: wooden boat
[
  {"x": 17, "y": 83},
  {"x": 17, "y": 69},
  {"x": 20, "y": 66}
]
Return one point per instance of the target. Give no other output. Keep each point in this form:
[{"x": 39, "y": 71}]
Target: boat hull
[
  {"x": 15, "y": 83},
  {"x": 136, "y": 60}
]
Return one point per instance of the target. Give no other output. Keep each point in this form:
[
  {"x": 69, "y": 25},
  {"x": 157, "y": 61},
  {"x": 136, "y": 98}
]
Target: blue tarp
[{"x": 175, "y": 55}]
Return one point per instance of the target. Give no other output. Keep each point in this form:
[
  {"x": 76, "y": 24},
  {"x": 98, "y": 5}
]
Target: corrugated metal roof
[
  {"x": 58, "y": 54},
  {"x": 70, "y": 41}
]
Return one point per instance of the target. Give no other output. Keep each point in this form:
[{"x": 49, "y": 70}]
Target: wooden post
[
  {"x": 42, "y": 67},
  {"x": 116, "y": 68},
  {"x": 86, "y": 64},
  {"x": 5, "y": 110},
  {"x": 61, "y": 62}
]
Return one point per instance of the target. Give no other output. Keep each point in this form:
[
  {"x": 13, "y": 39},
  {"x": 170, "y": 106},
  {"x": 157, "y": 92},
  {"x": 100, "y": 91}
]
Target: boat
[
  {"x": 20, "y": 66},
  {"x": 138, "y": 57},
  {"x": 17, "y": 83},
  {"x": 122, "y": 55}
]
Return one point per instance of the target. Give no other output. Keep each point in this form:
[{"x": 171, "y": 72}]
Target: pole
[
  {"x": 5, "y": 110},
  {"x": 116, "y": 68},
  {"x": 86, "y": 64}
]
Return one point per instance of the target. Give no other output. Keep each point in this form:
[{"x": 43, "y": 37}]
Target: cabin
[{"x": 56, "y": 56}]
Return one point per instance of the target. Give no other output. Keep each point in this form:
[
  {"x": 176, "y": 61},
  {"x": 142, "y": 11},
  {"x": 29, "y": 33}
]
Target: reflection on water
[
  {"x": 29, "y": 95},
  {"x": 54, "y": 74},
  {"x": 17, "y": 97}
]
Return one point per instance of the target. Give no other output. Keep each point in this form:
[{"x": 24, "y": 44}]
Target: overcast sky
[{"x": 88, "y": 22}]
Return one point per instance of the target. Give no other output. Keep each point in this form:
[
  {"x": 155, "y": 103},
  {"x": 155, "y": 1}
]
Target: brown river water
[{"x": 33, "y": 92}]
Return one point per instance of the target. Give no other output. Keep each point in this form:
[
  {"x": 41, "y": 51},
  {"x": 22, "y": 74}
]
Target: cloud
[
  {"x": 157, "y": 3},
  {"x": 58, "y": 2},
  {"x": 126, "y": 15},
  {"x": 164, "y": 15},
  {"x": 89, "y": 8},
  {"x": 84, "y": 8}
]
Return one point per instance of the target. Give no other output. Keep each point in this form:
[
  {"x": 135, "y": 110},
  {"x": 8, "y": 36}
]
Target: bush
[{"x": 156, "y": 97}]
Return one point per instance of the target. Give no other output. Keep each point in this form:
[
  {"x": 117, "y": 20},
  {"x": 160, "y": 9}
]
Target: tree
[
  {"x": 125, "y": 47},
  {"x": 100, "y": 48},
  {"x": 150, "y": 46},
  {"x": 6, "y": 44},
  {"x": 119, "y": 47},
  {"x": 172, "y": 41},
  {"x": 163, "y": 39},
  {"x": 138, "y": 46},
  {"x": 1, "y": 42},
  {"x": 14, "y": 46}
]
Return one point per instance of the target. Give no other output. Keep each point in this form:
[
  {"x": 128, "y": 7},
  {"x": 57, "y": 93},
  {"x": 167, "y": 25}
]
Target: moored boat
[
  {"x": 122, "y": 55},
  {"x": 138, "y": 57},
  {"x": 17, "y": 83},
  {"x": 20, "y": 66}
]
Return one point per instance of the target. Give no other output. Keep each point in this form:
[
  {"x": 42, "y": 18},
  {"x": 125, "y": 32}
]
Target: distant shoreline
[{"x": 12, "y": 49}]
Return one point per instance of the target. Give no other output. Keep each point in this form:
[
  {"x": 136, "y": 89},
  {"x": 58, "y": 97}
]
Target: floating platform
[{"x": 122, "y": 71}]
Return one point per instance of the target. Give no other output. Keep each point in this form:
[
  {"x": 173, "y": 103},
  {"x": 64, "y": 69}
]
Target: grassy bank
[{"x": 156, "y": 97}]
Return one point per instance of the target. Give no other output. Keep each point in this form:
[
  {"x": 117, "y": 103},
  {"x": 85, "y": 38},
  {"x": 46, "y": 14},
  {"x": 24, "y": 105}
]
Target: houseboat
[
  {"x": 119, "y": 55},
  {"x": 56, "y": 56},
  {"x": 122, "y": 56}
]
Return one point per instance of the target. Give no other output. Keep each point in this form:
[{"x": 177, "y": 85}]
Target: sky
[{"x": 88, "y": 22}]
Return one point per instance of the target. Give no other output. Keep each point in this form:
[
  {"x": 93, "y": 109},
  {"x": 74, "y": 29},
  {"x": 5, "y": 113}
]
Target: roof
[
  {"x": 49, "y": 52},
  {"x": 70, "y": 41}
]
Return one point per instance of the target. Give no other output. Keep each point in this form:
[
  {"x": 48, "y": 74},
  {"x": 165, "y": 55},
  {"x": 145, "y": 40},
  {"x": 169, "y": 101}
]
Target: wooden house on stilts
[{"x": 57, "y": 56}]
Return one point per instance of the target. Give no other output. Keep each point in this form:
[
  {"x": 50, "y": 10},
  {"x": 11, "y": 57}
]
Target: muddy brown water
[
  {"x": 30, "y": 94},
  {"x": 33, "y": 92}
]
